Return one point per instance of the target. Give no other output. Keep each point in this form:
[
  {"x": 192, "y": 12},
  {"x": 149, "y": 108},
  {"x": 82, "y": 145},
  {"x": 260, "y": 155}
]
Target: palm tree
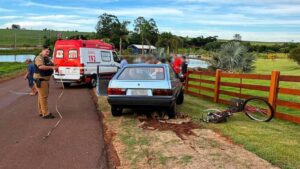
[{"x": 233, "y": 57}]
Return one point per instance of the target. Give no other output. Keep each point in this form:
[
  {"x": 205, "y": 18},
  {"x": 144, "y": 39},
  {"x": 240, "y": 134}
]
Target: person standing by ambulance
[
  {"x": 29, "y": 76},
  {"x": 43, "y": 69}
]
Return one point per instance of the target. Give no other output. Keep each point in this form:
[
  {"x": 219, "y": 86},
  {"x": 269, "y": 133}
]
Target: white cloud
[
  {"x": 9, "y": 17},
  {"x": 6, "y": 10},
  {"x": 185, "y": 17},
  {"x": 273, "y": 9},
  {"x": 145, "y": 11},
  {"x": 246, "y": 35},
  {"x": 46, "y": 24},
  {"x": 52, "y": 17},
  {"x": 254, "y": 2}
]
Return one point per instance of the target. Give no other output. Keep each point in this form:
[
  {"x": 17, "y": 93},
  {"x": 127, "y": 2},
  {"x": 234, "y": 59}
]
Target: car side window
[
  {"x": 172, "y": 74},
  {"x": 105, "y": 56}
]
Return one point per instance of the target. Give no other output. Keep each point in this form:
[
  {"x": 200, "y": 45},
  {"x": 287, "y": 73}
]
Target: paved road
[{"x": 76, "y": 144}]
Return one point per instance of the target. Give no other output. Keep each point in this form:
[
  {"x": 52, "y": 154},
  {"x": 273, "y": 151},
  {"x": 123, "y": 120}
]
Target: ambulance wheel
[
  {"x": 66, "y": 84},
  {"x": 93, "y": 83},
  {"x": 116, "y": 111}
]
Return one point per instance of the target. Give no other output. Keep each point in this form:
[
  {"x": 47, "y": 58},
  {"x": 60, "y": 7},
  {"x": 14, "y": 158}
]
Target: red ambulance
[{"x": 77, "y": 61}]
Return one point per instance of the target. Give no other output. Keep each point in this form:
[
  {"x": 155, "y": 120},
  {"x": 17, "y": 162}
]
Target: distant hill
[
  {"x": 31, "y": 38},
  {"x": 258, "y": 43}
]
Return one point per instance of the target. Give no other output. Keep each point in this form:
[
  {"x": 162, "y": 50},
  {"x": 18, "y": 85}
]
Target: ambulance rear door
[
  {"x": 108, "y": 65},
  {"x": 90, "y": 58}
]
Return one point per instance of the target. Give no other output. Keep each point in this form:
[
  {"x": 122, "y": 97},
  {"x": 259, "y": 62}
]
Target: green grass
[
  {"x": 277, "y": 141},
  {"x": 9, "y": 69},
  {"x": 30, "y": 38},
  {"x": 136, "y": 145},
  {"x": 20, "y": 52},
  {"x": 265, "y": 43},
  {"x": 257, "y": 42},
  {"x": 185, "y": 159},
  {"x": 285, "y": 66}
]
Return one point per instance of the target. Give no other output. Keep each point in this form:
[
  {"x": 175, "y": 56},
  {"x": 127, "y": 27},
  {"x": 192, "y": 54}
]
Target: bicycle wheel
[{"x": 258, "y": 109}]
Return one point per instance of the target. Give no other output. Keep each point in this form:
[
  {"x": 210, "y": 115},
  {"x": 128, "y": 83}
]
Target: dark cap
[{"x": 45, "y": 47}]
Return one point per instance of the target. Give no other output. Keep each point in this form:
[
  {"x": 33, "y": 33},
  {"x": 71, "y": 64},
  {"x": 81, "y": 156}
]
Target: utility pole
[
  {"x": 120, "y": 46},
  {"x": 142, "y": 43},
  {"x": 15, "y": 40}
]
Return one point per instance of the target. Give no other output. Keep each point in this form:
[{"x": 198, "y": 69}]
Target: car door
[
  {"x": 108, "y": 65},
  {"x": 175, "y": 81}
]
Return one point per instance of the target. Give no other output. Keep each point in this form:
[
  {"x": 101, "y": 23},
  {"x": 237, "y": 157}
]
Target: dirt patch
[
  {"x": 158, "y": 143},
  {"x": 181, "y": 127}
]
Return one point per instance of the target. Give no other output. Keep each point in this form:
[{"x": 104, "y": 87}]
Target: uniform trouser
[{"x": 43, "y": 93}]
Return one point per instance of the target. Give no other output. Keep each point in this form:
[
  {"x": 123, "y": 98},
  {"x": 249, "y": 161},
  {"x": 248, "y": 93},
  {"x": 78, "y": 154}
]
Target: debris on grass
[{"x": 182, "y": 126}]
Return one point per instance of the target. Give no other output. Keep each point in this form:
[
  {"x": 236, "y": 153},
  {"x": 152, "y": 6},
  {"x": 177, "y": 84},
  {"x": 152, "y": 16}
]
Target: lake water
[
  {"x": 15, "y": 58},
  {"x": 6, "y": 48},
  {"x": 195, "y": 63}
]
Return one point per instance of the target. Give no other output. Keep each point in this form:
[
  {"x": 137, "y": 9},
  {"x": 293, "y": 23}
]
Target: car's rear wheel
[
  {"x": 116, "y": 111},
  {"x": 172, "y": 111},
  {"x": 180, "y": 98}
]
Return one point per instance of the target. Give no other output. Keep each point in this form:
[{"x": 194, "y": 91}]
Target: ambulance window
[
  {"x": 73, "y": 54},
  {"x": 105, "y": 56},
  {"x": 59, "y": 54}
]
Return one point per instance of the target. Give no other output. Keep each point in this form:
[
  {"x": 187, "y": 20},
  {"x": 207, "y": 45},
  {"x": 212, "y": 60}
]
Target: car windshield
[{"x": 142, "y": 73}]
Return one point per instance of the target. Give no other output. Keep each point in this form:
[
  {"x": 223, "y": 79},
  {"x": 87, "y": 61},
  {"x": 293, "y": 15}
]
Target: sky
[{"x": 254, "y": 20}]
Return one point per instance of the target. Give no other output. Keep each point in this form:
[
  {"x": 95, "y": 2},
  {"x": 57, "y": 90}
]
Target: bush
[
  {"x": 233, "y": 57},
  {"x": 295, "y": 55}
]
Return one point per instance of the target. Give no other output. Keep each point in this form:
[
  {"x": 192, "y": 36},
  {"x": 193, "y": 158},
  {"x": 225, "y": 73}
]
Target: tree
[
  {"x": 213, "y": 46},
  {"x": 233, "y": 57},
  {"x": 237, "y": 37},
  {"x": 164, "y": 40},
  {"x": 295, "y": 55},
  {"x": 147, "y": 29},
  {"x": 201, "y": 41},
  {"x": 106, "y": 24},
  {"x": 169, "y": 41},
  {"x": 15, "y": 26},
  {"x": 110, "y": 27}
]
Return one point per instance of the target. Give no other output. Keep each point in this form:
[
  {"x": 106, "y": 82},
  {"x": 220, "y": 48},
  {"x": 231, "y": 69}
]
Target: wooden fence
[{"x": 208, "y": 85}]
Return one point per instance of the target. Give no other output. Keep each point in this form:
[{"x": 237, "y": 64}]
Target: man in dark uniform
[
  {"x": 43, "y": 69},
  {"x": 184, "y": 66}
]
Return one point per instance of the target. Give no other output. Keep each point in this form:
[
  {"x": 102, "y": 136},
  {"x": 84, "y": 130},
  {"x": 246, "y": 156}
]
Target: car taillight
[
  {"x": 162, "y": 92},
  {"x": 116, "y": 91}
]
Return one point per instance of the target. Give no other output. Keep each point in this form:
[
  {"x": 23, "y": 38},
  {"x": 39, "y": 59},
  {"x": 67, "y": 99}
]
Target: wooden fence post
[
  {"x": 217, "y": 85},
  {"x": 274, "y": 89},
  {"x": 186, "y": 87}
]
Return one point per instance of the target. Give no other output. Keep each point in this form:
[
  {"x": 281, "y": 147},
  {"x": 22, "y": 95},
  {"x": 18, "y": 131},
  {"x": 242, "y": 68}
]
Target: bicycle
[{"x": 255, "y": 108}]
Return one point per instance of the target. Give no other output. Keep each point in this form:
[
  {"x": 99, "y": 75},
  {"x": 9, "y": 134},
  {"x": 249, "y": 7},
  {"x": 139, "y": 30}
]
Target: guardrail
[{"x": 209, "y": 85}]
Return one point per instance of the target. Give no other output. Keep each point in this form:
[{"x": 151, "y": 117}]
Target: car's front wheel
[
  {"x": 180, "y": 98},
  {"x": 116, "y": 111},
  {"x": 172, "y": 111}
]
